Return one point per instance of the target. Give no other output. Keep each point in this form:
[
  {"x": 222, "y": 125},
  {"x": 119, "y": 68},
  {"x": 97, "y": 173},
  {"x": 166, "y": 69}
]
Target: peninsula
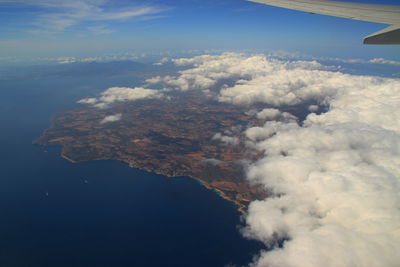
[{"x": 172, "y": 137}]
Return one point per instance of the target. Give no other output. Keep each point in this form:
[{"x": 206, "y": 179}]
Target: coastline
[
  {"x": 240, "y": 206},
  {"x": 68, "y": 159}
]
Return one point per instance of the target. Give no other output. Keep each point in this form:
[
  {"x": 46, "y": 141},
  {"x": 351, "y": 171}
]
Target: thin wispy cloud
[
  {"x": 99, "y": 30},
  {"x": 59, "y": 15}
]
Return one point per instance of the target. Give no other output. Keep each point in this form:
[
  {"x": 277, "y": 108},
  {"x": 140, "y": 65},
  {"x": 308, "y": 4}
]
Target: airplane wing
[{"x": 387, "y": 14}]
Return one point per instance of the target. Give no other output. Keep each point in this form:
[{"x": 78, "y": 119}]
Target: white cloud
[
  {"x": 313, "y": 108},
  {"x": 58, "y": 15},
  {"x": 259, "y": 79},
  {"x": 335, "y": 178},
  {"x": 289, "y": 55},
  {"x": 337, "y": 196},
  {"x": 268, "y": 114},
  {"x": 227, "y": 140},
  {"x": 111, "y": 118},
  {"x": 209, "y": 69},
  {"x": 120, "y": 94},
  {"x": 186, "y": 81},
  {"x": 269, "y": 129},
  {"x": 275, "y": 114},
  {"x": 162, "y": 61},
  {"x": 289, "y": 87},
  {"x": 90, "y": 101},
  {"x": 384, "y": 61},
  {"x": 249, "y": 73},
  {"x": 363, "y": 61}
]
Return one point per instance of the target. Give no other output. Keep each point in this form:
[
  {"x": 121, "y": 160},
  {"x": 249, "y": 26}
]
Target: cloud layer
[
  {"x": 120, "y": 94},
  {"x": 335, "y": 178}
]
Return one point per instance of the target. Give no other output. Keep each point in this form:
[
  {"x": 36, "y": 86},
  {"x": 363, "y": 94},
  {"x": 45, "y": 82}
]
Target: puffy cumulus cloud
[
  {"x": 119, "y": 94},
  {"x": 227, "y": 140},
  {"x": 269, "y": 129},
  {"x": 313, "y": 108},
  {"x": 374, "y": 101},
  {"x": 207, "y": 70},
  {"x": 162, "y": 61},
  {"x": 335, "y": 179},
  {"x": 296, "y": 86},
  {"x": 268, "y": 114},
  {"x": 184, "y": 82},
  {"x": 111, "y": 118},
  {"x": 275, "y": 114},
  {"x": 261, "y": 79},
  {"x": 336, "y": 196}
]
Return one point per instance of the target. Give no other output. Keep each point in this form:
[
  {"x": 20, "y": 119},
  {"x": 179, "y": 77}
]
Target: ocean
[{"x": 99, "y": 213}]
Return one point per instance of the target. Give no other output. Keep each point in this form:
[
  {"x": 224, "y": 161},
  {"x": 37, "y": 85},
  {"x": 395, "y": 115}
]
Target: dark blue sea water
[{"x": 120, "y": 217}]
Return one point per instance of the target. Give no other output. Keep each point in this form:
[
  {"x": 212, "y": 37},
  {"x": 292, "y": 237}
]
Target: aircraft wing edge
[
  {"x": 386, "y": 14},
  {"x": 387, "y": 36}
]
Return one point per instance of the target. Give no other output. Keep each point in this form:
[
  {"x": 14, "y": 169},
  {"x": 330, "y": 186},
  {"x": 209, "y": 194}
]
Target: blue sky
[{"x": 53, "y": 28}]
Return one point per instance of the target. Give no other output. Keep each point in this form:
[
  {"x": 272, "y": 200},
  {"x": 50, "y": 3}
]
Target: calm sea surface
[{"x": 55, "y": 213}]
